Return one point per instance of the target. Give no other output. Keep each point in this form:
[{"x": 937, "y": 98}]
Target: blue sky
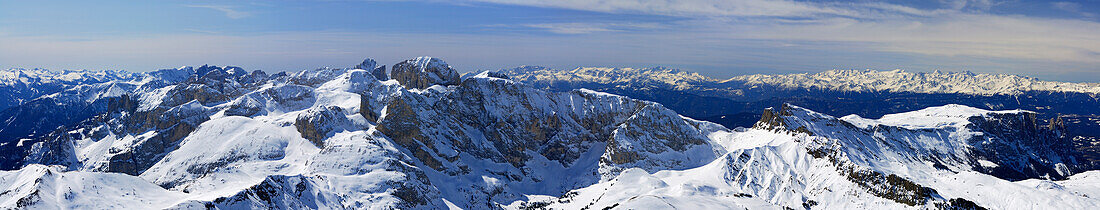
[{"x": 1057, "y": 40}]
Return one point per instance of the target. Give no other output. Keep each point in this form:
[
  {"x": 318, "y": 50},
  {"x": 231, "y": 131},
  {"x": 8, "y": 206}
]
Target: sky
[{"x": 1051, "y": 40}]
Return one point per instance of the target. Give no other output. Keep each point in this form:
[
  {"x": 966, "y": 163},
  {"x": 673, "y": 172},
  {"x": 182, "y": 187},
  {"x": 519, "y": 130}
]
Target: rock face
[
  {"x": 367, "y": 64},
  {"x": 423, "y": 72},
  {"x": 378, "y": 72}
]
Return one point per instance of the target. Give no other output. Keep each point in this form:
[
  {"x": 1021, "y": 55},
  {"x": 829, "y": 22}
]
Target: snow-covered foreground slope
[
  {"x": 347, "y": 139},
  {"x": 38, "y": 186}
]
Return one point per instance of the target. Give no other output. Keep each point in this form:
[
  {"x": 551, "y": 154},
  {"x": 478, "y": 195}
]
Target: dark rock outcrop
[
  {"x": 319, "y": 123},
  {"x": 423, "y": 72},
  {"x": 379, "y": 72},
  {"x": 367, "y": 64}
]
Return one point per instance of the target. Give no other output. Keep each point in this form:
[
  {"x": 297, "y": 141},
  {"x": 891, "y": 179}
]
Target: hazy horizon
[{"x": 1057, "y": 41}]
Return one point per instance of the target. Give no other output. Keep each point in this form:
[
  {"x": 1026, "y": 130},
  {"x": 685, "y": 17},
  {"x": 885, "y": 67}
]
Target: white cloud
[
  {"x": 1066, "y": 6},
  {"x": 762, "y": 8},
  {"x": 587, "y": 28},
  {"x": 950, "y": 35},
  {"x": 229, "y": 11},
  {"x": 571, "y": 28},
  {"x": 751, "y": 8},
  {"x": 971, "y": 4}
]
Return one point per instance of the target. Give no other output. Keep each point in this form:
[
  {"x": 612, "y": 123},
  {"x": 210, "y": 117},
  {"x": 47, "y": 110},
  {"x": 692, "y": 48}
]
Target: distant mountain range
[
  {"x": 418, "y": 135},
  {"x": 738, "y": 101},
  {"x": 898, "y": 81},
  {"x": 18, "y": 86}
]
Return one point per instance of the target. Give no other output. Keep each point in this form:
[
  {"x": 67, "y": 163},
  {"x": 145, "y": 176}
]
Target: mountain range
[
  {"x": 739, "y": 101},
  {"x": 419, "y": 135}
]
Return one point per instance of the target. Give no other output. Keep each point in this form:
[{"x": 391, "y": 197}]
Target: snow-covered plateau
[{"x": 426, "y": 138}]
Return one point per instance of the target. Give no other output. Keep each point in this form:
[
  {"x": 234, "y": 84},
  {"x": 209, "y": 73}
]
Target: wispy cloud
[
  {"x": 201, "y": 31},
  {"x": 971, "y": 4},
  {"x": 571, "y": 28},
  {"x": 959, "y": 28},
  {"x": 1072, "y": 7},
  {"x": 229, "y": 11},
  {"x": 583, "y": 27},
  {"x": 689, "y": 7}
]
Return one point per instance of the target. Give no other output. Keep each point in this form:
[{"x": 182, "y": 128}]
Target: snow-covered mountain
[
  {"x": 20, "y": 85},
  {"x": 836, "y": 80},
  {"x": 220, "y": 137},
  {"x": 738, "y": 102},
  {"x": 82, "y": 99},
  {"x": 919, "y": 82},
  {"x": 797, "y": 158},
  {"x": 640, "y": 77}
]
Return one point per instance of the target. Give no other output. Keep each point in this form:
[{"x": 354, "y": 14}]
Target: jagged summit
[
  {"x": 379, "y": 72},
  {"x": 423, "y": 72},
  {"x": 367, "y": 64}
]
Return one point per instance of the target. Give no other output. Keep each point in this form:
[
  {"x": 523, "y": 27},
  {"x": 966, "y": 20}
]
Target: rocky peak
[
  {"x": 379, "y": 72},
  {"x": 204, "y": 69},
  {"x": 423, "y": 72},
  {"x": 492, "y": 74},
  {"x": 367, "y": 64}
]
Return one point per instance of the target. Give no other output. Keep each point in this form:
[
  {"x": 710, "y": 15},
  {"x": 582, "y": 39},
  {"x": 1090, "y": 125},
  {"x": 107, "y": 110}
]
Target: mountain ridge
[{"x": 841, "y": 80}]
